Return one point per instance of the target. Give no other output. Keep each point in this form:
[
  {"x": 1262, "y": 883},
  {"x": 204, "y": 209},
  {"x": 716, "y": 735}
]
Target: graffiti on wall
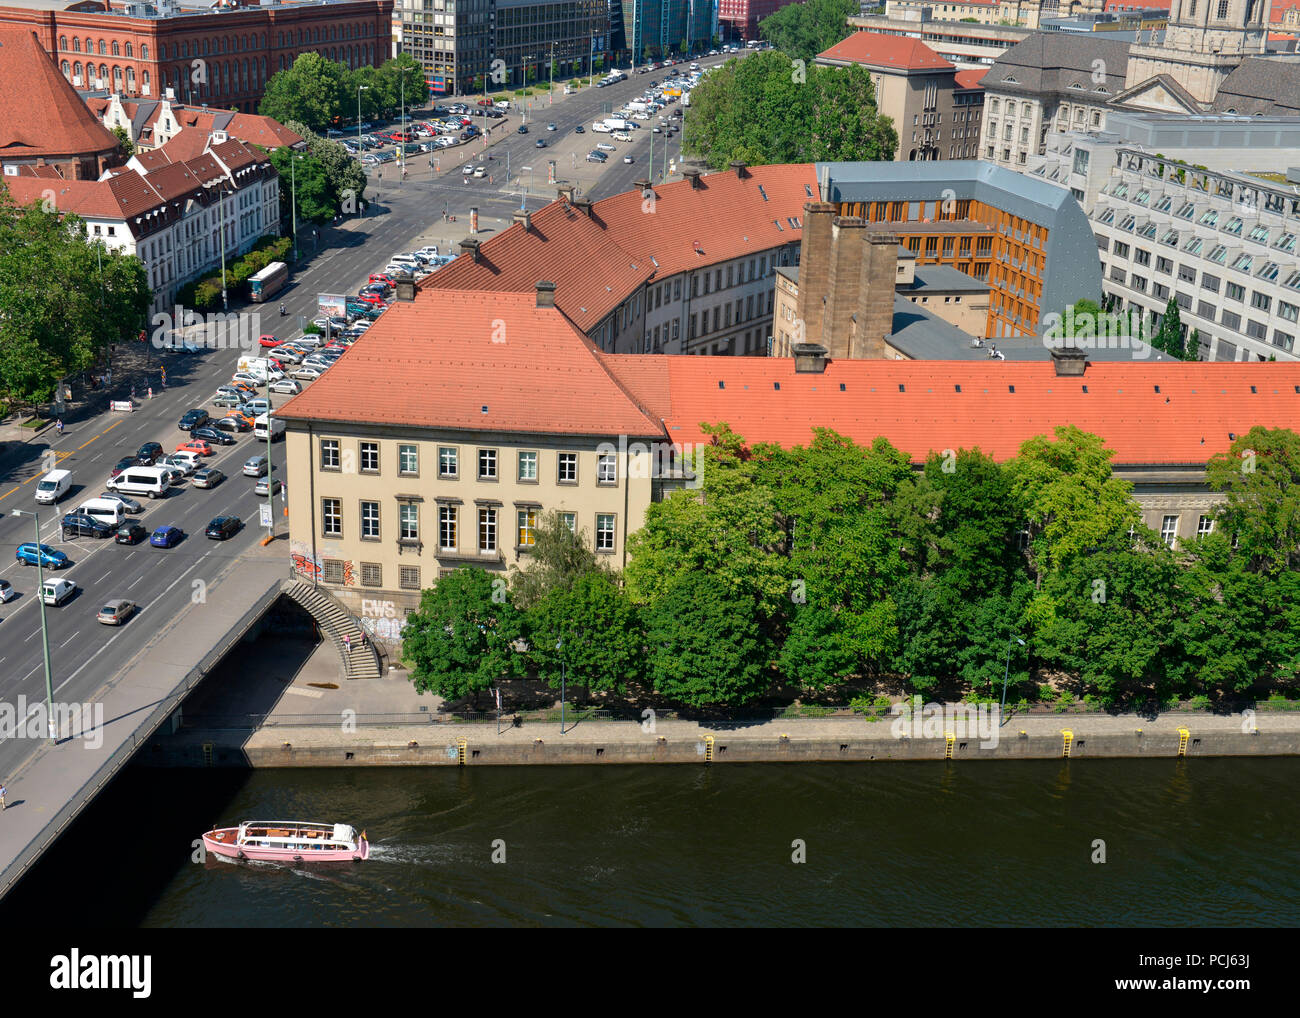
[
  {"x": 380, "y": 620},
  {"x": 303, "y": 562}
]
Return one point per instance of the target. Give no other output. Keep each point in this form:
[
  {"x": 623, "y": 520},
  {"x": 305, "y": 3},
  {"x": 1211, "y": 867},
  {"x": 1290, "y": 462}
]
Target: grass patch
[{"x": 35, "y": 423}]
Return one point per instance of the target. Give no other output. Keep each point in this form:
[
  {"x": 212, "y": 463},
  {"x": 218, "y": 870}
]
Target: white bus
[{"x": 268, "y": 282}]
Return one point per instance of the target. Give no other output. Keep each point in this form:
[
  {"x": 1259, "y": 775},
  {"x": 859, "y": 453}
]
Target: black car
[
  {"x": 130, "y": 532},
  {"x": 148, "y": 454},
  {"x": 579, "y": 130},
  {"x": 223, "y": 527},
  {"x": 235, "y": 424},
  {"x": 212, "y": 435},
  {"x": 122, "y": 464},
  {"x": 541, "y": 143},
  {"x": 521, "y": 129},
  {"x": 192, "y": 419},
  {"x": 84, "y": 525}
]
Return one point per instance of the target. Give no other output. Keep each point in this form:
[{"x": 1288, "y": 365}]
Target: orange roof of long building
[
  {"x": 470, "y": 360},
  {"x": 597, "y": 259},
  {"x": 882, "y": 50}
]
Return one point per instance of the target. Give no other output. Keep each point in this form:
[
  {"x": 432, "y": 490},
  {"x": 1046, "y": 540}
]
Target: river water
[{"x": 1198, "y": 842}]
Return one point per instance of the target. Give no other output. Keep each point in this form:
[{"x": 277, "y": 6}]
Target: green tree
[
  {"x": 1170, "y": 337},
  {"x": 124, "y": 139},
  {"x": 726, "y": 529},
  {"x": 63, "y": 299},
  {"x": 761, "y": 110},
  {"x": 601, "y": 642},
  {"x": 1193, "y": 351},
  {"x": 462, "y": 638},
  {"x": 704, "y": 644},
  {"x": 308, "y": 180},
  {"x": 1066, "y": 491},
  {"x": 1259, "y": 477},
  {"x": 312, "y": 91},
  {"x": 803, "y": 30},
  {"x": 558, "y": 558},
  {"x": 345, "y": 178}
]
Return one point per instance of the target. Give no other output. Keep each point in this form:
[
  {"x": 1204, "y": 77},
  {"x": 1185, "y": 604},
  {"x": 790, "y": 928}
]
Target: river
[{"x": 1200, "y": 842}]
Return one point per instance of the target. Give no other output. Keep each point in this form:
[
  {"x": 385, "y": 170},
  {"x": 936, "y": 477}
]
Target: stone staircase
[{"x": 363, "y": 660}]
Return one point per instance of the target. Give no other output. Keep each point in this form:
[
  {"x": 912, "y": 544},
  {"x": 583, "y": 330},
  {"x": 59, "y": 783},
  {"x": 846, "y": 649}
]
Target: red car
[
  {"x": 371, "y": 298},
  {"x": 195, "y": 445},
  {"x": 485, "y": 102},
  {"x": 380, "y": 277},
  {"x": 269, "y": 341}
]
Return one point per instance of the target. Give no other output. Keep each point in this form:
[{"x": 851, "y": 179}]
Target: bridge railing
[{"x": 110, "y": 767}]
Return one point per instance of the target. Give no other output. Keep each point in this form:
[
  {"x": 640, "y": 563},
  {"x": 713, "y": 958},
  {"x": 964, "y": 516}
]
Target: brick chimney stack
[
  {"x": 545, "y": 294},
  {"x": 469, "y": 246},
  {"x": 814, "y": 266},
  {"x": 875, "y": 297},
  {"x": 843, "y": 276}
]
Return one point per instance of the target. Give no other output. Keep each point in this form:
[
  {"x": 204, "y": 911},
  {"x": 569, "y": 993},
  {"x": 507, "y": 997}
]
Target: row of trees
[
  {"x": 322, "y": 94},
  {"x": 327, "y": 181},
  {"x": 803, "y": 30},
  {"x": 64, "y": 300},
  {"x": 770, "y": 108},
  {"x": 836, "y": 567}
]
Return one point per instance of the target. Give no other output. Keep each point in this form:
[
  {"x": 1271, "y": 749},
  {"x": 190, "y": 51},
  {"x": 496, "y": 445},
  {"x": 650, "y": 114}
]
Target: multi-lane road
[{"x": 84, "y": 654}]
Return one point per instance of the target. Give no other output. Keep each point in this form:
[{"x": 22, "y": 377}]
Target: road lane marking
[
  {"x": 68, "y": 640},
  {"x": 139, "y": 611}
]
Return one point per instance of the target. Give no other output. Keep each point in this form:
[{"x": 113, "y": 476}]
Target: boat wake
[{"x": 418, "y": 855}]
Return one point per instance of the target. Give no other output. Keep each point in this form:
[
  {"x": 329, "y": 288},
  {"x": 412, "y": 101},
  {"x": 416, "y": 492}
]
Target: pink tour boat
[{"x": 288, "y": 841}]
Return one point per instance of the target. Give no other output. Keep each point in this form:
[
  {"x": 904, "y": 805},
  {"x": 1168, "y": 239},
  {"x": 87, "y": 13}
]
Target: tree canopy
[
  {"x": 768, "y": 108},
  {"x": 65, "y": 299},
  {"x": 321, "y": 93},
  {"x": 805, "y": 29}
]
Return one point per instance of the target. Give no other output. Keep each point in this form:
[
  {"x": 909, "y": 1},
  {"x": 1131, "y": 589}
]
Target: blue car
[
  {"x": 166, "y": 537},
  {"x": 27, "y": 554}
]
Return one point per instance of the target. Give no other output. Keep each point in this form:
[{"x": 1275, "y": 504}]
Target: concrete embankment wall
[{"x": 438, "y": 747}]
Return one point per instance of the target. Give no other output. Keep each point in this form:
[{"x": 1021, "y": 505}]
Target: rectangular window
[
  {"x": 329, "y": 454},
  {"x": 1121, "y": 250},
  {"x": 1187, "y": 273},
  {"x": 1289, "y": 312},
  {"x": 528, "y": 466},
  {"x": 370, "y": 457},
  {"x": 408, "y": 577},
  {"x": 1204, "y": 526},
  {"x": 447, "y": 527},
  {"x": 1235, "y": 292},
  {"x": 1164, "y": 265},
  {"x": 447, "y": 461},
  {"x": 605, "y": 532},
  {"x": 527, "y": 527},
  {"x": 331, "y": 517},
  {"x": 332, "y": 569},
  {"x": 487, "y": 530},
  {"x": 487, "y": 464},
  {"x": 372, "y": 574},
  {"x": 1231, "y": 320},
  {"x": 409, "y": 516},
  {"x": 370, "y": 521},
  {"x": 1260, "y": 300},
  {"x": 570, "y": 520},
  {"x": 568, "y": 468},
  {"x": 408, "y": 460},
  {"x": 1210, "y": 282},
  {"x": 1169, "y": 530},
  {"x": 607, "y": 468}
]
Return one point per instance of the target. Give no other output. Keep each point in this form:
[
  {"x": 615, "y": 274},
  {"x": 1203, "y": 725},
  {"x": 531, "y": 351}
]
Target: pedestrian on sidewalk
[
  {"x": 347, "y": 643},
  {"x": 2, "y": 798}
]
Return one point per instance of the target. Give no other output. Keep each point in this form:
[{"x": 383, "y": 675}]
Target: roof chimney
[
  {"x": 522, "y": 216},
  {"x": 469, "y": 246},
  {"x": 641, "y": 185},
  {"x": 741, "y": 171},
  {"x": 405, "y": 286},
  {"x": 693, "y": 175},
  {"x": 1069, "y": 360},
  {"x": 582, "y": 205},
  {"x": 566, "y": 192},
  {"x": 809, "y": 358},
  {"x": 545, "y": 294}
]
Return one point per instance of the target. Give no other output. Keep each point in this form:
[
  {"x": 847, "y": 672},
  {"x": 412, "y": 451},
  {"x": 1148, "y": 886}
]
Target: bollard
[{"x": 150, "y": 394}]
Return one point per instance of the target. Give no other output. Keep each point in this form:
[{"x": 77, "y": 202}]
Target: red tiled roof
[
  {"x": 1187, "y": 422},
  {"x": 886, "y": 51},
  {"x": 1279, "y": 8},
  {"x": 971, "y": 78},
  {"x": 122, "y": 196},
  {"x": 254, "y": 129},
  {"x": 439, "y": 361},
  {"x": 43, "y": 115},
  {"x": 597, "y": 260},
  {"x": 1139, "y": 5}
]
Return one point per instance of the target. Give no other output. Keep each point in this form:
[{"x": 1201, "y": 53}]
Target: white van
[
  {"x": 57, "y": 591},
  {"x": 109, "y": 511},
  {"x": 151, "y": 481},
  {"x": 259, "y": 428},
  {"x": 53, "y": 486}
]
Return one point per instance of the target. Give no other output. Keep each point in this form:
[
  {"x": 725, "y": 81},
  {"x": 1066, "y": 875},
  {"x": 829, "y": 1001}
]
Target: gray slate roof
[
  {"x": 1050, "y": 62},
  {"x": 1265, "y": 85}
]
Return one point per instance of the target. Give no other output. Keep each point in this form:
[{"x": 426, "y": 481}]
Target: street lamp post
[
  {"x": 563, "y": 675},
  {"x": 591, "y": 63},
  {"x": 45, "y": 635},
  {"x": 523, "y": 199},
  {"x": 221, "y": 216},
  {"x": 361, "y": 149},
  {"x": 1002, "y": 719},
  {"x": 293, "y": 183}
]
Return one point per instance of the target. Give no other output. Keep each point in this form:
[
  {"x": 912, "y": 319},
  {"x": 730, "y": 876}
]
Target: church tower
[{"x": 1205, "y": 41}]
